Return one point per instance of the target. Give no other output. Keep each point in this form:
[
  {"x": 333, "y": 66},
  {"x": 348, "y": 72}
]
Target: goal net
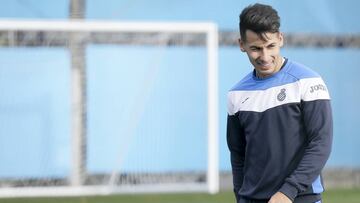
[{"x": 96, "y": 108}]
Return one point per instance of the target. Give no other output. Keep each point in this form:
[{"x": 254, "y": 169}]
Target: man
[{"x": 279, "y": 127}]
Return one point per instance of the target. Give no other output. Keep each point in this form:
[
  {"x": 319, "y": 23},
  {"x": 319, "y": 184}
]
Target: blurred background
[{"x": 144, "y": 107}]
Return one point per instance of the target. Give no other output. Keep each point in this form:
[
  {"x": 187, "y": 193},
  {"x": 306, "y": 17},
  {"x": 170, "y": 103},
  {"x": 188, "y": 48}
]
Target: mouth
[{"x": 265, "y": 65}]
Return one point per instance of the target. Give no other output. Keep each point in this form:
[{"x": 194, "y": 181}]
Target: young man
[{"x": 279, "y": 127}]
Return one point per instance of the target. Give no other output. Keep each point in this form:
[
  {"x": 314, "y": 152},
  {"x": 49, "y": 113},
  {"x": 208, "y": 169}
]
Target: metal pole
[{"x": 77, "y": 48}]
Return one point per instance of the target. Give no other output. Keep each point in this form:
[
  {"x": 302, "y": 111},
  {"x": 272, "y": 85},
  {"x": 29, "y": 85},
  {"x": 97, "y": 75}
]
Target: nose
[{"x": 265, "y": 55}]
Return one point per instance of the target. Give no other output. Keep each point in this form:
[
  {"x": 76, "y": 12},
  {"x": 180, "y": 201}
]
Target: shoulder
[
  {"x": 312, "y": 85},
  {"x": 243, "y": 83},
  {"x": 300, "y": 71}
]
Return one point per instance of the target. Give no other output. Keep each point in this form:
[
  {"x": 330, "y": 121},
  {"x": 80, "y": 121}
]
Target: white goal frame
[{"x": 207, "y": 28}]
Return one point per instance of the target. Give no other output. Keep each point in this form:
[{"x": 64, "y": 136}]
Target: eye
[{"x": 271, "y": 46}]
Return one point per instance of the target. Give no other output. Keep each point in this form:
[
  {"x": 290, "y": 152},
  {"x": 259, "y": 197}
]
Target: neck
[{"x": 282, "y": 60}]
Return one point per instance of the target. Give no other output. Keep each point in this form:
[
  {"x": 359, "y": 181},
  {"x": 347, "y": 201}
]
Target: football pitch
[{"x": 330, "y": 196}]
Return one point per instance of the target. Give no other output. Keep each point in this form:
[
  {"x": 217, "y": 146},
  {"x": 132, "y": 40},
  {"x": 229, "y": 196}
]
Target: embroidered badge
[{"x": 282, "y": 95}]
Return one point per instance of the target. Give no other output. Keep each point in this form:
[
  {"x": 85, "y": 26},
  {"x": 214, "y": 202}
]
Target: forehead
[{"x": 253, "y": 38}]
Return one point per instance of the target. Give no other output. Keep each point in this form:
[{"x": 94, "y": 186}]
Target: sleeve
[
  {"x": 317, "y": 119},
  {"x": 236, "y": 144}
]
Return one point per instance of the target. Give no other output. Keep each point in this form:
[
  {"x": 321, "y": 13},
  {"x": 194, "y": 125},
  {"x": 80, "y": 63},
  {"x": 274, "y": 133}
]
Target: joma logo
[{"x": 317, "y": 87}]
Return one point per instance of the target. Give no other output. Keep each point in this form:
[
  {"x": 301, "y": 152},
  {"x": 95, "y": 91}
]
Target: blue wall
[
  {"x": 140, "y": 97},
  {"x": 132, "y": 107},
  {"x": 136, "y": 95},
  {"x": 34, "y": 111}
]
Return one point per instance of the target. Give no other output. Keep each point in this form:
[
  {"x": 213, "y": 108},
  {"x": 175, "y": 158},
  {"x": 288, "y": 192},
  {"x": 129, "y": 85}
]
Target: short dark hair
[{"x": 260, "y": 19}]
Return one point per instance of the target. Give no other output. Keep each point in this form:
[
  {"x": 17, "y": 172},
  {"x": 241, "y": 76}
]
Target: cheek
[
  {"x": 252, "y": 55},
  {"x": 252, "y": 59},
  {"x": 275, "y": 52}
]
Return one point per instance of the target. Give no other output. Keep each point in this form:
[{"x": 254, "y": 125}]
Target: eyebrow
[{"x": 255, "y": 46}]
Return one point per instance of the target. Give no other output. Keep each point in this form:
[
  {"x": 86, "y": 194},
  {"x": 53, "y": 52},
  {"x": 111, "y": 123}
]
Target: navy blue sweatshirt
[{"x": 279, "y": 133}]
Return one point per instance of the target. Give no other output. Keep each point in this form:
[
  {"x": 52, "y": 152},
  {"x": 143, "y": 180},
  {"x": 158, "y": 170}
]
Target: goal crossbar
[{"x": 106, "y": 26}]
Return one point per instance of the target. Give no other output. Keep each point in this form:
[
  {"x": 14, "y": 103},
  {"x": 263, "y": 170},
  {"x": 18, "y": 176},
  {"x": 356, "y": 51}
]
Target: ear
[
  {"x": 281, "y": 39},
  {"x": 241, "y": 45}
]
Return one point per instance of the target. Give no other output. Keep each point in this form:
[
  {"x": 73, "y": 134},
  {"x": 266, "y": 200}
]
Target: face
[{"x": 264, "y": 55}]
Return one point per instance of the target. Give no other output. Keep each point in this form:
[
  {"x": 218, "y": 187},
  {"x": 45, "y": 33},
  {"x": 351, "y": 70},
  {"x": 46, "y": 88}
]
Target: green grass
[
  {"x": 330, "y": 196},
  {"x": 342, "y": 196}
]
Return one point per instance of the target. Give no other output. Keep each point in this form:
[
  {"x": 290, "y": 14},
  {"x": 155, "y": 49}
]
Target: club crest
[{"x": 282, "y": 95}]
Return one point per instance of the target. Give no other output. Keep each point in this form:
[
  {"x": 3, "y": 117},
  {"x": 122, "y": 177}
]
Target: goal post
[{"x": 74, "y": 187}]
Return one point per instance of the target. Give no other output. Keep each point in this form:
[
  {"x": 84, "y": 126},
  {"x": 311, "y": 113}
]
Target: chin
[{"x": 266, "y": 73}]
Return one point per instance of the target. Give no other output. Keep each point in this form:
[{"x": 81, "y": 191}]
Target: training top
[{"x": 279, "y": 133}]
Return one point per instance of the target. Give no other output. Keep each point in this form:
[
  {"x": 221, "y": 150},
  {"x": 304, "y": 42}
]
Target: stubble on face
[{"x": 263, "y": 52}]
